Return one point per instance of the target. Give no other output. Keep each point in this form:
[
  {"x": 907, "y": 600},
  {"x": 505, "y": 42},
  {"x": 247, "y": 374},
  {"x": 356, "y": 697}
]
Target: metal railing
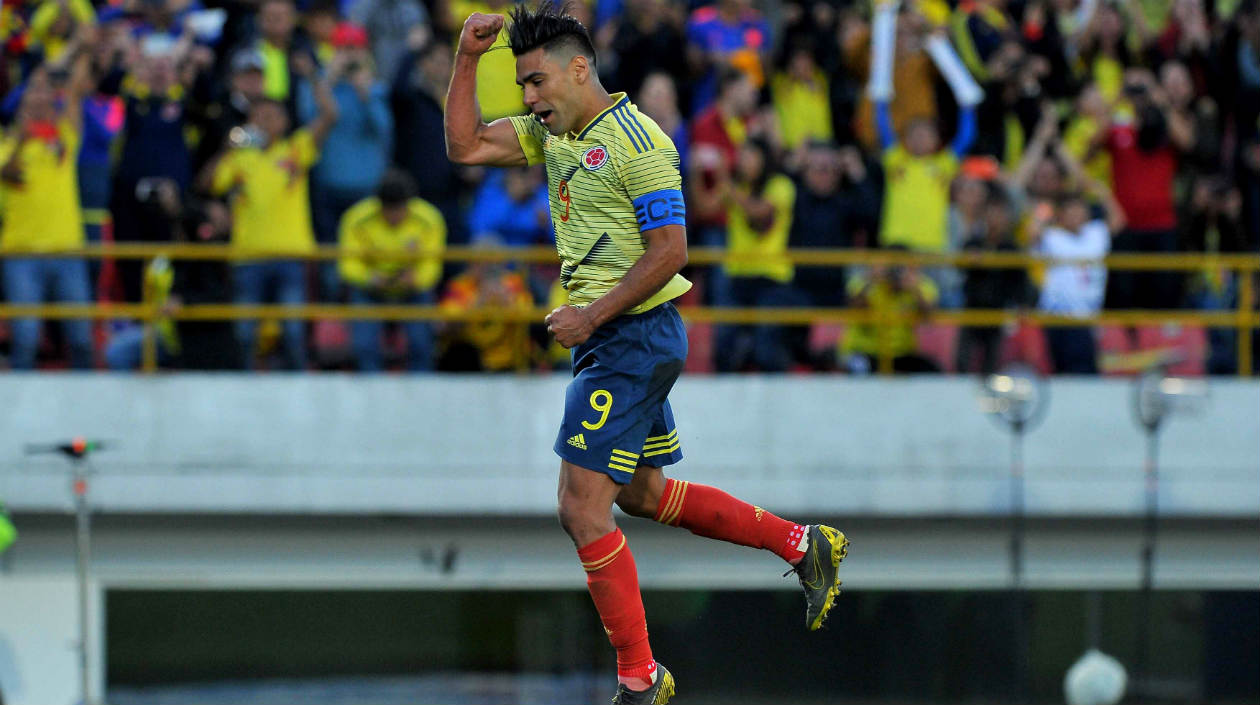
[{"x": 1244, "y": 318}]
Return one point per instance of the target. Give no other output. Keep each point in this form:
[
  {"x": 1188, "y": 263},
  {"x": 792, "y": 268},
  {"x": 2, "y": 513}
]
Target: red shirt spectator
[
  {"x": 1143, "y": 180},
  {"x": 715, "y": 139},
  {"x": 710, "y": 130}
]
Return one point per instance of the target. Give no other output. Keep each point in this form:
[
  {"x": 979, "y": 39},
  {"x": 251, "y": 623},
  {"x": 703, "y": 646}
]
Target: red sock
[
  {"x": 614, "y": 584},
  {"x": 710, "y": 512}
]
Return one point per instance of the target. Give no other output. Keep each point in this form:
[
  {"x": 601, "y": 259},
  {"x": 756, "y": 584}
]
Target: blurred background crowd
[{"x": 275, "y": 125}]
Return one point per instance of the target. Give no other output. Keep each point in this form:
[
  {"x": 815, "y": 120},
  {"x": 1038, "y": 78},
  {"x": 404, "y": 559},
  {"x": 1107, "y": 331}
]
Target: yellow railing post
[
  {"x": 883, "y": 333},
  {"x": 1246, "y": 295},
  {"x": 148, "y": 323}
]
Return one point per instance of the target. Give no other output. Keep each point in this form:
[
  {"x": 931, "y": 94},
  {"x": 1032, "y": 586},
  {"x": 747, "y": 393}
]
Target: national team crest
[{"x": 594, "y": 158}]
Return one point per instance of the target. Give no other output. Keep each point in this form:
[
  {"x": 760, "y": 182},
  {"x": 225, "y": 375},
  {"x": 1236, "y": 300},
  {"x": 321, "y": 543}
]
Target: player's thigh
[{"x": 609, "y": 416}]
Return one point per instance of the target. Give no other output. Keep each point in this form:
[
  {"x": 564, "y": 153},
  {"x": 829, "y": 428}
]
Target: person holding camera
[
  {"x": 41, "y": 210},
  {"x": 356, "y": 153},
  {"x": 1145, "y": 149},
  {"x": 265, "y": 170},
  {"x": 155, "y": 154}
]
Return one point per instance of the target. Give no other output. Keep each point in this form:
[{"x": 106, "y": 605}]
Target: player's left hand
[{"x": 571, "y": 325}]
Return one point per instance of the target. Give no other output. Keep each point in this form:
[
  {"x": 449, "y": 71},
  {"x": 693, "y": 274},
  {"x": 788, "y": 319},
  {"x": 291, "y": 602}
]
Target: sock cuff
[
  {"x": 669, "y": 511},
  {"x": 602, "y": 551},
  {"x": 647, "y": 670}
]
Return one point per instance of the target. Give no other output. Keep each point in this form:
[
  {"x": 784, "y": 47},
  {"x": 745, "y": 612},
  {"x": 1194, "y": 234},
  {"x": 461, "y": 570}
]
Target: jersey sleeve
[
  {"x": 894, "y": 157},
  {"x": 351, "y": 266},
  {"x": 531, "y": 135},
  {"x": 428, "y": 271},
  {"x": 226, "y": 174},
  {"x": 1095, "y": 238},
  {"x": 306, "y": 152},
  {"x": 654, "y": 184}
]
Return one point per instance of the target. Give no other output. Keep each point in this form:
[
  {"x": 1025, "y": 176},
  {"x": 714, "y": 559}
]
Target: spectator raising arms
[
  {"x": 266, "y": 170},
  {"x": 357, "y": 151},
  {"x": 41, "y": 207},
  {"x": 1144, "y": 150},
  {"x": 155, "y": 153},
  {"x": 1069, "y": 232},
  {"x": 917, "y": 177}
]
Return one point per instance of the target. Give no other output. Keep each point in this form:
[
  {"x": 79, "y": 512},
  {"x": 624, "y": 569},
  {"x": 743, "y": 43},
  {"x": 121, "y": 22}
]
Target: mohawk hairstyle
[{"x": 549, "y": 26}]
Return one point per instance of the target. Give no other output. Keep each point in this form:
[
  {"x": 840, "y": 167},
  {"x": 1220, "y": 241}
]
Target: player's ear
[{"x": 579, "y": 69}]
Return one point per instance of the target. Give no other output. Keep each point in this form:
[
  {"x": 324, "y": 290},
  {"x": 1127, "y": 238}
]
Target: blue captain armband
[{"x": 664, "y": 207}]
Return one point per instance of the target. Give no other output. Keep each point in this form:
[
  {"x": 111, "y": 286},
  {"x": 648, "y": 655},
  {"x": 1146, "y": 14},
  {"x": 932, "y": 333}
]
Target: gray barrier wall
[{"x": 440, "y": 445}]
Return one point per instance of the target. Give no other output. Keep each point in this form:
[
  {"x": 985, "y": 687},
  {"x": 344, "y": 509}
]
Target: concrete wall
[
  {"x": 39, "y": 661},
  {"x": 188, "y": 496},
  {"x": 482, "y": 445}
]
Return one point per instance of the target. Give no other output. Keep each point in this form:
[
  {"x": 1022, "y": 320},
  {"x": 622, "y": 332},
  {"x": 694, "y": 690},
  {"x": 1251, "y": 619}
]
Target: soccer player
[{"x": 619, "y": 217}]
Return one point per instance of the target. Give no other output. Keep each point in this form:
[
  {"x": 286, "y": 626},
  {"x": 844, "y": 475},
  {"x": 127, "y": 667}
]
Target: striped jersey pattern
[{"x": 594, "y": 178}]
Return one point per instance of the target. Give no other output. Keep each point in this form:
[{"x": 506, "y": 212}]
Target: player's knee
[{"x": 581, "y": 522}]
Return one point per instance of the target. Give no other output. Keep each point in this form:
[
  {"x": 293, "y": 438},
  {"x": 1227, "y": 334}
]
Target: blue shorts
[{"x": 616, "y": 411}]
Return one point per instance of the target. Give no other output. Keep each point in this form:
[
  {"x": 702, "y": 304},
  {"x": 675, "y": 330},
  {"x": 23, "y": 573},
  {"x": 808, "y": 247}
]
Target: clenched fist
[
  {"x": 479, "y": 33},
  {"x": 570, "y": 324}
]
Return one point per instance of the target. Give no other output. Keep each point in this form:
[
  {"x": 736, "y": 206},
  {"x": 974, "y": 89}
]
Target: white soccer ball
[{"x": 1095, "y": 679}]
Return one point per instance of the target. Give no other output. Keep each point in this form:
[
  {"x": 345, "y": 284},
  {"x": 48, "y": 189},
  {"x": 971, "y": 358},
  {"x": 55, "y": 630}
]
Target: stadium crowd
[{"x": 1071, "y": 128}]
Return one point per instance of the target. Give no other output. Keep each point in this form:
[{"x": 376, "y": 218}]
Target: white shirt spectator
[{"x": 1075, "y": 289}]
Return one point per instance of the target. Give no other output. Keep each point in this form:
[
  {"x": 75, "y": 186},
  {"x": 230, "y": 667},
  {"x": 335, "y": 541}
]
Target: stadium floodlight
[
  {"x": 77, "y": 451},
  {"x": 1156, "y": 396},
  {"x": 1018, "y": 398}
]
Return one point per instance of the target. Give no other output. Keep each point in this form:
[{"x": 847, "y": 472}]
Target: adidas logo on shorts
[{"x": 578, "y": 441}]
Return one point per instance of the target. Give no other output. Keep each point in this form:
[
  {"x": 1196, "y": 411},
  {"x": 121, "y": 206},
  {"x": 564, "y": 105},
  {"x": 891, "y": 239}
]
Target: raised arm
[
  {"x": 1116, "y": 220},
  {"x": 469, "y": 140},
  {"x": 1047, "y": 129},
  {"x": 884, "y": 121},
  {"x": 966, "y": 130},
  {"x": 327, "y": 113}
]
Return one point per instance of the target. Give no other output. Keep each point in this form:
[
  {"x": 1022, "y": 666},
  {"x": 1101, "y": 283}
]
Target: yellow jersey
[
  {"x": 271, "y": 212},
  {"x": 916, "y": 199},
  {"x": 43, "y": 214},
  {"x": 607, "y": 183},
  {"x": 763, "y": 253},
  {"x": 366, "y": 234},
  {"x": 884, "y": 301},
  {"x": 803, "y": 109}
]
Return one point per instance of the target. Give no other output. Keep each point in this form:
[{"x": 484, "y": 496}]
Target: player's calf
[{"x": 710, "y": 512}]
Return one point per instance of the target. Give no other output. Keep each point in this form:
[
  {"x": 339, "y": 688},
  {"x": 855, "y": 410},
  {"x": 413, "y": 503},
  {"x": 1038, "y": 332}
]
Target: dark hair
[
  {"x": 549, "y": 26},
  {"x": 769, "y": 164},
  {"x": 1072, "y": 197},
  {"x": 324, "y": 7},
  {"x": 274, "y": 102},
  {"x": 397, "y": 187},
  {"x": 727, "y": 77}
]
